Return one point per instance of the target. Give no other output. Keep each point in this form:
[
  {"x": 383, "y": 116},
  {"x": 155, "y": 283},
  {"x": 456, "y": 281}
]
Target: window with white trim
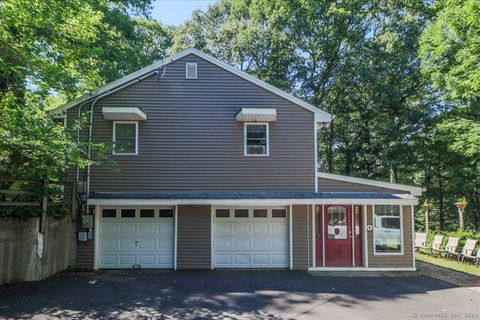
[
  {"x": 256, "y": 139},
  {"x": 125, "y": 137},
  {"x": 387, "y": 229}
]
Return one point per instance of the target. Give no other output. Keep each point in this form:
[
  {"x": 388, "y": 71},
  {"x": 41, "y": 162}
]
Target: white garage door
[
  {"x": 250, "y": 238},
  {"x": 132, "y": 238}
]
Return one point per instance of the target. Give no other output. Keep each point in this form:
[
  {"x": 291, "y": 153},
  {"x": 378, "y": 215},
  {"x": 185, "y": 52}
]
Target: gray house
[{"x": 213, "y": 168}]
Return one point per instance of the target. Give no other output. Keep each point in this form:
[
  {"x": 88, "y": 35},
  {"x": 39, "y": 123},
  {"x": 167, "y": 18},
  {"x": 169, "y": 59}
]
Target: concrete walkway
[{"x": 235, "y": 295}]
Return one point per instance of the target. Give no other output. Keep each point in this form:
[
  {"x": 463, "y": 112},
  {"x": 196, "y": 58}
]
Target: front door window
[{"x": 337, "y": 222}]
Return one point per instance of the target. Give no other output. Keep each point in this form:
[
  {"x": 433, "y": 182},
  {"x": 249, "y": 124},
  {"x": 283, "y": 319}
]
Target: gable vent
[{"x": 191, "y": 70}]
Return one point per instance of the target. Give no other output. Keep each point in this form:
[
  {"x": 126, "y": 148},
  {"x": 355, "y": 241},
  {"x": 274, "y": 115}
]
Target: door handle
[{"x": 136, "y": 243}]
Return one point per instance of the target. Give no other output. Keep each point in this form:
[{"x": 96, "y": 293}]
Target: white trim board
[
  {"x": 415, "y": 191},
  {"x": 246, "y": 202},
  {"x": 123, "y": 114},
  {"x": 343, "y": 269},
  {"x": 320, "y": 115}
]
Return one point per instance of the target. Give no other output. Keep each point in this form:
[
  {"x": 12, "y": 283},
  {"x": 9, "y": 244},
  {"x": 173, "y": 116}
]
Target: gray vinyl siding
[
  {"x": 301, "y": 236},
  {"x": 192, "y": 142},
  {"x": 194, "y": 237},
  {"x": 85, "y": 253},
  {"x": 332, "y": 185},
  {"x": 392, "y": 261}
]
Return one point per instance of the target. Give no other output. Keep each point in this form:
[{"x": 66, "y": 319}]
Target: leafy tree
[
  {"x": 237, "y": 33},
  {"x": 450, "y": 54},
  {"x": 53, "y": 51}
]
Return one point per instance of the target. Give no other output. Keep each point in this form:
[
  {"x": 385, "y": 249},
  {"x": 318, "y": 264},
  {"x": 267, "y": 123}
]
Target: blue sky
[{"x": 177, "y": 11}]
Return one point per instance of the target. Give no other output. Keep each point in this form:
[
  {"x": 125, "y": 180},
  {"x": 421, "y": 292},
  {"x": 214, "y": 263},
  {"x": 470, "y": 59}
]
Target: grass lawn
[{"x": 467, "y": 267}]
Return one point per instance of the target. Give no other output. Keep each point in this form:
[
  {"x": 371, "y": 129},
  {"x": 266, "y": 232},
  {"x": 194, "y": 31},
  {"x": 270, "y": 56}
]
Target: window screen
[
  {"x": 279, "y": 213},
  {"x": 109, "y": 213},
  {"x": 125, "y": 138},
  {"x": 165, "y": 213},
  {"x": 241, "y": 213},
  {"x": 256, "y": 139},
  {"x": 222, "y": 213},
  {"x": 260, "y": 213},
  {"x": 128, "y": 213},
  {"x": 147, "y": 213}
]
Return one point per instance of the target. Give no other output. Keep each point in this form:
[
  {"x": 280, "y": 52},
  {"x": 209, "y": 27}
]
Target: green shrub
[{"x": 463, "y": 235}]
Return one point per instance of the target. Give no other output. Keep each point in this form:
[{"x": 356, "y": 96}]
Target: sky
[{"x": 175, "y": 12}]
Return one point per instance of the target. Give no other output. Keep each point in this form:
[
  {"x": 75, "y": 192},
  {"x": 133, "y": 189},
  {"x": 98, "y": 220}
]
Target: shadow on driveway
[{"x": 236, "y": 294}]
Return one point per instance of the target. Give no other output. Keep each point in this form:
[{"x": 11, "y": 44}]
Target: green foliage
[
  {"x": 463, "y": 235},
  {"x": 54, "y": 51},
  {"x": 450, "y": 53}
]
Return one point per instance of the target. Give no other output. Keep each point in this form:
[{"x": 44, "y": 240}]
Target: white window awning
[
  {"x": 257, "y": 114},
  {"x": 123, "y": 113}
]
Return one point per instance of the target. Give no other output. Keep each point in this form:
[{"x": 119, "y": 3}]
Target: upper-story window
[
  {"x": 256, "y": 139},
  {"x": 125, "y": 137}
]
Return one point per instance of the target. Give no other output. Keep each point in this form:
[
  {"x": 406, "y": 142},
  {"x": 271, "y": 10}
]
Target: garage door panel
[
  {"x": 165, "y": 243},
  {"x": 146, "y": 260},
  {"x": 241, "y": 228},
  {"x": 242, "y": 259},
  {"x": 261, "y": 228},
  {"x": 147, "y": 229},
  {"x": 109, "y": 228},
  {"x": 108, "y": 260},
  {"x": 241, "y": 244},
  {"x": 278, "y": 244},
  {"x": 127, "y": 260},
  {"x": 260, "y": 260},
  {"x": 165, "y": 228},
  {"x": 223, "y": 260},
  {"x": 126, "y": 243},
  {"x": 279, "y": 259},
  {"x": 165, "y": 260},
  {"x": 127, "y": 229},
  {"x": 279, "y": 228},
  {"x": 222, "y": 243},
  {"x": 147, "y": 243},
  {"x": 108, "y": 243},
  {"x": 222, "y": 228},
  {"x": 261, "y": 243}
]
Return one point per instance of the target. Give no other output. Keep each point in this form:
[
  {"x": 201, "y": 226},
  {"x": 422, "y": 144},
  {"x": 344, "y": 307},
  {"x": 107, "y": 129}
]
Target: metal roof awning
[
  {"x": 249, "y": 198},
  {"x": 123, "y": 113},
  {"x": 257, "y": 115}
]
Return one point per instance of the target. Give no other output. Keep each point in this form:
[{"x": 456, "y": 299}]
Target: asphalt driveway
[{"x": 235, "y": 295}]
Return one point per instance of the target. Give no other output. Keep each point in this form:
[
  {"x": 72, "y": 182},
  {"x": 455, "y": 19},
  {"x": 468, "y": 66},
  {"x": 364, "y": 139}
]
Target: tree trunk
[
  {"x": 441, "y": 209},
  {"x": 330, "y": 149}
]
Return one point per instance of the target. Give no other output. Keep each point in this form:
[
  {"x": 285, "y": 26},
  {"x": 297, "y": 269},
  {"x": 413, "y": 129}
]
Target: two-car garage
[{"x": 145, "y": 237}]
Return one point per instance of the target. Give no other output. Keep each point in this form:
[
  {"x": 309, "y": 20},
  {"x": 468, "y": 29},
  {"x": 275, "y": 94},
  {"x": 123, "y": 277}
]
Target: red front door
[{"x": 338, "y": 235}]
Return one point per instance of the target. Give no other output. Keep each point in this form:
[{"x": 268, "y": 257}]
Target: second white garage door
[{"x": 250, "y": 238}]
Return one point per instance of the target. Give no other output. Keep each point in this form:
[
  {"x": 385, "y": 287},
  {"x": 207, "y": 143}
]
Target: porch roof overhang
[
  {"x": 249, "y": 198},
  {"x": 257, "y": 115},
  {"x": 123, "y": 113}
]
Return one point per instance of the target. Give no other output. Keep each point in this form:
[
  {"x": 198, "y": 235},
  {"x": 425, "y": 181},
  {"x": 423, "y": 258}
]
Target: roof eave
[{"x": 414, "y": 191}]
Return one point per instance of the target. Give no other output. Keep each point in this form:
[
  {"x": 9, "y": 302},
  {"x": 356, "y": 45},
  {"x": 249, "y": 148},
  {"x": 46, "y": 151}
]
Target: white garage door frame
[
  {"x": 97, "y": 229},
  {"x": 288, "y": 233}
]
